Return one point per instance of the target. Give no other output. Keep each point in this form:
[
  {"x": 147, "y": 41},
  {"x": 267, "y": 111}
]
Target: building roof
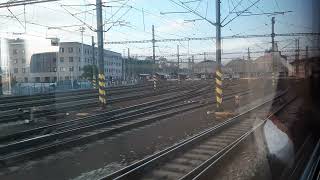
[{"x": 305, "y": 60}]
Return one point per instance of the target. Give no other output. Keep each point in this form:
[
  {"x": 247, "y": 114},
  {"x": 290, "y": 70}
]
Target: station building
[
  {"x": 205, "y": 69},
  {"x": 262, "y": 66}
]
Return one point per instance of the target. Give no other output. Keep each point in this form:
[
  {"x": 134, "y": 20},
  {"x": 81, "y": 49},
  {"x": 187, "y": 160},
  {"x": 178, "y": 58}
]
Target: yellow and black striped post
[
  {"x": 273, "y": 79},
  {"x": 154, "y": 82},
  {"x": 94, "y": 83},
  {"x": 219, "y": 89},
  {"x": 102, "y": 89}
]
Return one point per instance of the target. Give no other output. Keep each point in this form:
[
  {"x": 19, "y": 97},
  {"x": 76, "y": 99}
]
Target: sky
[{"x": 38, "y": 23}]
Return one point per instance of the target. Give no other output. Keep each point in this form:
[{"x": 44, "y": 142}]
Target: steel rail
[
  {"x": 138, "y": 169},
  {"x": 49, "y": 148},
  {"x": 47, "y": 109}
]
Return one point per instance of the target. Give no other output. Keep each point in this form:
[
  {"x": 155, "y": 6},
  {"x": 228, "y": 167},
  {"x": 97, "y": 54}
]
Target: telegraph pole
[
  {"x": 297, "y": 49},
  {"x": 153, "y": 46},
  {"x": 249, "y": 57},
  {"x": 129, "y": 64},
  {"x": 94, "y": 78},
  {"x": 102, "y": 78},
  {"x": 154, "y": 59},
  {"x": 1, "y": 91},
  {"x": 218, "y": 57},
  {"x": 273, "y": 21},
  {"x": 178, "y": 57},
  {"x": 273, "y": 51},
  {"x": 128, "y": 53},
  {"x": 82, "y": 52},
  {"x": 192, "y": 66},
  {"x": 93, "y": 50}
]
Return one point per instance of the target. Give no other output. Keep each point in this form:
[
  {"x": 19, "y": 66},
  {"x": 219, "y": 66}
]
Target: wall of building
[
  {"x": 207, "y": 68},
  {"x": 70, "y": 63},
  {"x": 18, "y": 65}
]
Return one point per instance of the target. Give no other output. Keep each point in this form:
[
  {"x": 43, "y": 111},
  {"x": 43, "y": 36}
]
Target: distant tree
[{"x": 89, "y": 71}]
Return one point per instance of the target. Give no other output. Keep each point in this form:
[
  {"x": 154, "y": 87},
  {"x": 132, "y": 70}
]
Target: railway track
[
  {"x": 111, "y": 90},
  {"x": 191, "y": 158},
  {"x": 47, "y": 107},
  {"x": 46, "y": 140},
  {"x": 46, "y": 99}
]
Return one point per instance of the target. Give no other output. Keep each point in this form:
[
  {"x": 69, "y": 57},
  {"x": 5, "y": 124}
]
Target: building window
[
  {"x": 15, "y": 70},
  {"x": 61, "y": 59},
  {"x": 25, "y": 79},
  {"x": 71, "y": 69},
  {"x": 62, "y": 69},
  {"x": 70, "y": 50},
  {"x": 15, "y": 51},
  {"x": 23, "y": 61},
  {"x": 70, "y": 59},
  {"x": 62, "y": 50},
  {"x": 79, "y": 59},
  {"x": 23, "y": 70},
  {"x": 79, "y": 68},
  {"x": 67, "y": 77},
  {"x": 79, "y": 49},
  {"x": 47, "y": 79},
  {"x": 15, "y": 61},
  {"x": 37, "y": 79},
  {"x": 55, "y": 79}
]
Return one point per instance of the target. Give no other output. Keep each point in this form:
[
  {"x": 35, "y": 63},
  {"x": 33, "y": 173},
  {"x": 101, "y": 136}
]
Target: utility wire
[
  {"x": 241, "y": 13},
  {"x": 16, "y": 18}
]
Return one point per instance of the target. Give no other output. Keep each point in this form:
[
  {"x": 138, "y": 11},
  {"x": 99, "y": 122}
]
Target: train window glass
[{"x": 172, "y": 89}]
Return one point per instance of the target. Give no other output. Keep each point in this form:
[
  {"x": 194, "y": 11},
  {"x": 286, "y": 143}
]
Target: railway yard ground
[{"x": 150, "y": 134}]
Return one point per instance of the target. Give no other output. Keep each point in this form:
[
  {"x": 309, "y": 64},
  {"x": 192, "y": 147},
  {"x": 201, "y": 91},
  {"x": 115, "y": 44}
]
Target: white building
[
  {"x": 70, "y": 63},
  {"x": 18, "y": 62}
]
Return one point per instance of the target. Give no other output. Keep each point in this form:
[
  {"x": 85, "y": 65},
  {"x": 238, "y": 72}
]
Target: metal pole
[
  {"x": 1, "y": 90},
  {"x": 130, "y": 65},
  {"x": 273, "y": 50},
  {"x": 192, "y": 67},
  {"x": 178, "y": 58},
  {"x": 82, "y": 52},
  {"x": 273, "y": 34},
  {"x": 93, "y": 50},
  {"x": 94, "y": 78},
  {"x": 218, "y": 58},
  {"x": 153, "y": 46},
  {"x": 298, "y": 49},
  {"x": 154, "y": 59},
  {"x": 102, "y": 79},
  {"x": 128, "y": 53}
]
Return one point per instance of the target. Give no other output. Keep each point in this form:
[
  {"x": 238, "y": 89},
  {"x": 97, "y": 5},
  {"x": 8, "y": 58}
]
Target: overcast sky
[{"x": 136, "y": 26}]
